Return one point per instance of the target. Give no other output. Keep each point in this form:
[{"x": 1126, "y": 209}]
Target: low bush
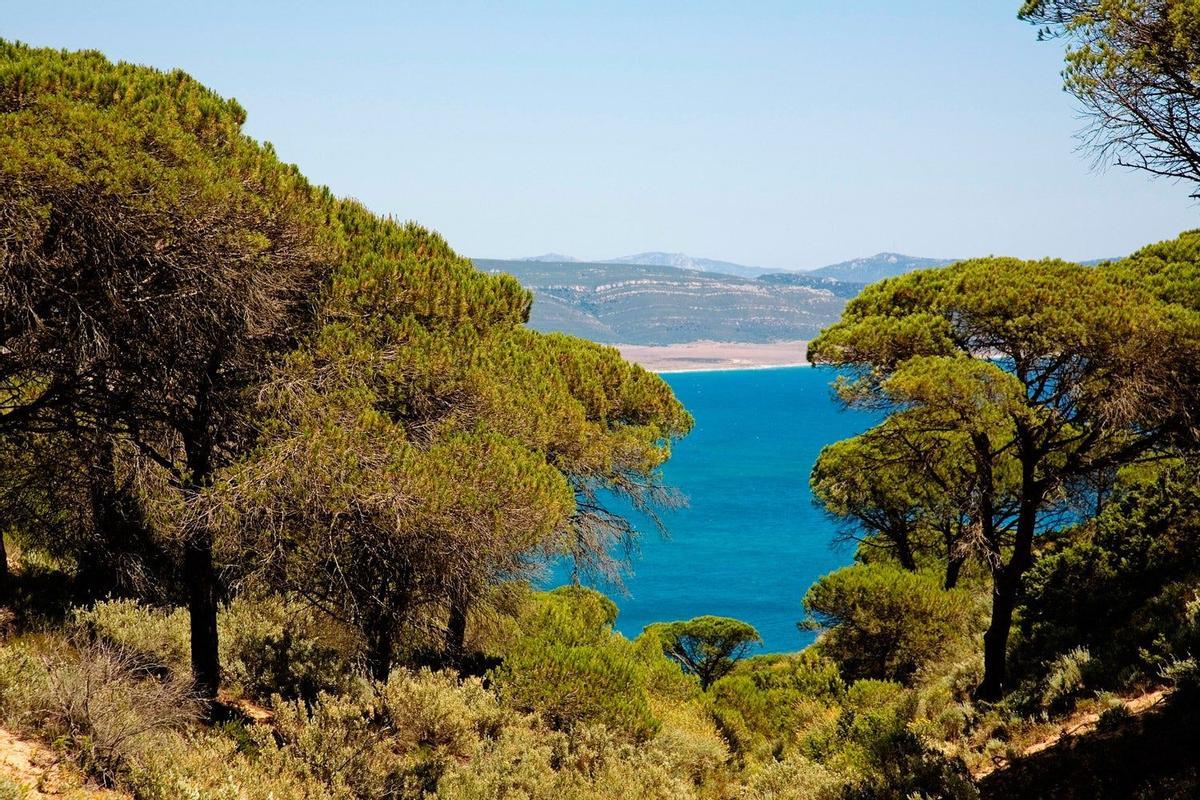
[
  {"x": 770, "y": 702},
  {"x": 794, "y": 778},
  {"x": 390, "y": 740},
  {"x": 570, "y": 669},
  {"x": 276, "y": 647},
  {"x": 153, "y": 638},
  {"x": 104, "y": 713},
  {"x": 888, "y": 761},
  {"x": 11, "y": 790},
  {"x": 570, "y": 685},
  {"x": 93, "y": 700},
  {"x": 212, "y": 765},
  {"x": 268, "y": 646}
]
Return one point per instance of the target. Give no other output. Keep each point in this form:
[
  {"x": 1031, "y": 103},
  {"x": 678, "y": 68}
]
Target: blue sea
[{"x": 751, "y": 541}]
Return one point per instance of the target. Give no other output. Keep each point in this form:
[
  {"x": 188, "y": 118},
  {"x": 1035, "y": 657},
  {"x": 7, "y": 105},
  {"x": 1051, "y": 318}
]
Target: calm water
[{"x": 750, "y": 542}]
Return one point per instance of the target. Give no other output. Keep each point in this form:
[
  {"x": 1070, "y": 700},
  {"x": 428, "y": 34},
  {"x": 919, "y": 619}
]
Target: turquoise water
[{"x": 751, "y": 541}]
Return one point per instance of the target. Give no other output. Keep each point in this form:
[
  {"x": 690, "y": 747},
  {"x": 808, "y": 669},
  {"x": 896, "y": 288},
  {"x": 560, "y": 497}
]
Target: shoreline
[
  {"x": 711, "y": 356},
  {"x": 736, "y": 368}
]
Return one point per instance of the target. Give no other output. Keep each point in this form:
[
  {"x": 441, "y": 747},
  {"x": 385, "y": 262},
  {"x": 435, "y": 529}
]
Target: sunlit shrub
[
  {"x": 569, "y": 685},
  {"x": 156, "y": 638},
  {"x": 24, "y": 679},
  {"x": 888, "y": 760},
  {"x": 794, "y": 778},
  {"x": 1061, "y": 682},
  {"x": 768, "y": 702},
  {"x": 94, "y": 701},
  {"x": 571, "y": 669},
  {"x": 268, "y": 646},
  {"x": 591, "y": 763},
  {"x": 11, "y": 790},
  {"x": 391, "y": 739},
  {"x": 208, "y": 765}
]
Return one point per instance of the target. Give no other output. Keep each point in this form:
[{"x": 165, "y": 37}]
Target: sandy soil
[
  {"x": 42, "y": 775},
  {"x": 714, "y": 355}
]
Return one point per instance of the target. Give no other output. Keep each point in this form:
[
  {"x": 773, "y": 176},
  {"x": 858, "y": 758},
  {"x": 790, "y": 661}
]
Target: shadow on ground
[{"x": 1150, "y": 756}]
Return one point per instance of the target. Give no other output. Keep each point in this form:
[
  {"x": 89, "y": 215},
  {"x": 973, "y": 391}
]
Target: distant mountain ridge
[
  {"x": 669, "y": 298},
  {"x": 877, "y": 267},
  {"x": 618, "y": 303},
  {"x": 551, "y": 258},
  {"x": 684, "y": 261},
  {"x": 859, "y": 270}
]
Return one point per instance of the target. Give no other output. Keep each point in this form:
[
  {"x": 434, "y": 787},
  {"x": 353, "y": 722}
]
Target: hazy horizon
[{"x": 790, "y": 137}]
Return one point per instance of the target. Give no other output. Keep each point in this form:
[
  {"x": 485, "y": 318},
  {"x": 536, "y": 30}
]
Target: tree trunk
[
  {"x": 456, "y": 631},
  {"x": 953, "y": 569},
  {"x": 5, "y": 573},
  {"x": 199, "y": 571},
  {"x": 904, "y": 551},
  {"x": 995, "y": 639},
  {"x": 201, "y": 577},
  {"x": 380, "y": 652},
  {"x": 1006, "y": 580}
]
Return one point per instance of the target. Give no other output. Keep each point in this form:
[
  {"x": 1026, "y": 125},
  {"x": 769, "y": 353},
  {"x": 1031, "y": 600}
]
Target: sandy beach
[{"x": 715, "y": 355}]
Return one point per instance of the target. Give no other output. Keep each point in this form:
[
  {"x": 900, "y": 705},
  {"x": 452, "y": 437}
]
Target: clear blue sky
[{"x": 785, "y": 134}]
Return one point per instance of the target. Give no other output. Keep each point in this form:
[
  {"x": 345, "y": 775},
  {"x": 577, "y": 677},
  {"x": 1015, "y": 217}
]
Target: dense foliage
[
  {"x": 257, "y": 439},
  {"x": 224, "y": 360},
  {"x": 1025, "y": 382},
  {"x": 1134, "y": 66}
]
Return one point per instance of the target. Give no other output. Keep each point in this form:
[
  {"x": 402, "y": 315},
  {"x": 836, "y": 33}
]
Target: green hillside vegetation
[{"x": 276, "y": 475}]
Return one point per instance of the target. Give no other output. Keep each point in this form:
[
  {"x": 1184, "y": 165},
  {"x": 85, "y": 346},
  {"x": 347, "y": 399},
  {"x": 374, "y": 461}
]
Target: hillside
[
  {"x": 877, "y": 267},
  {"x": 648, "y": 305},
  {"x": 684, "y": 261}
]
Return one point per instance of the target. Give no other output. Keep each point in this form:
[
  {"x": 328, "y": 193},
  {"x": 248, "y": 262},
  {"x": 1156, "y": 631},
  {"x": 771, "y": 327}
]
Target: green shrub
[
  {"x": 884, "y": 622},
  {"x": 688, "y": 742},
  {"x": 794, "y": 778},
  {"x": 572, "y": 614},
  {"x": 154, "y": 638},
  {"x": 268, "y": 646},
  {"x": 273, "y": 646},
  {"x": 11, "y": 790},
  {"x": 889, "y": 761},
  {"x": 768, "y": 702},
  {"x": 1118, "y": 586},
  {"x": 570, "y": 685},
  {"x": 94, "y": 701},
  {"x": 1113, "y": 719},
  {"x": 902, "y": 767},
  {"x": 590, "y": 764},
  {"x": 1065, "y": 680},
  {"x": 1184, "y": 675},
  {"x": 390, "y": 740},
  {"x": 23, "y": 679},
  {"x": 206, "y": 765},
  {"x": 1059, "y": 684},
  {"x": 570, "y": 669}
]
